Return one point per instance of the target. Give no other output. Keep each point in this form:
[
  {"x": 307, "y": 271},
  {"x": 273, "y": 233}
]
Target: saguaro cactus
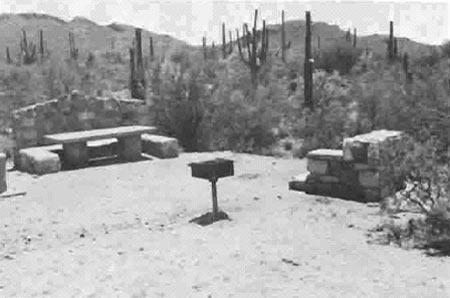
[
  {"x": 395, "y": 48},
  {"x": 137, "y": 75},
  {"x": 390, "y": 47},
  {"x": 152, "y": 53},
  {"x": 354, "y": 38},
  {"x": 256, "y": 57},
  {"x": 8, "y": 56},
  {"x": 348, "y": 35},
  {"x": 205, "y": 52},
  {"x": 283, "y": 38},
  {"x": 27, "y": 49},
  {"x": 73, "y": 50},
  {"x": 41, "y": 45},
  {"x": 308, "y": 65},
  {"x": 224, "y": 42},
  {"x": 405, "y": 64},
  {"x": 230, "y": 50}
]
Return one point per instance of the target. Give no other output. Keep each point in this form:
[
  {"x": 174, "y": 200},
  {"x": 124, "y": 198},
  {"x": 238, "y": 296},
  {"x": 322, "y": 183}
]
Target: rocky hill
[{"x": 89, "y": 36}]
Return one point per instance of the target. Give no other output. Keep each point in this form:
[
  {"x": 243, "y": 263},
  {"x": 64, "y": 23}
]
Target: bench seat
[
  {"x": 36, "y": 160},
  {"x": 160, "y": 146}
]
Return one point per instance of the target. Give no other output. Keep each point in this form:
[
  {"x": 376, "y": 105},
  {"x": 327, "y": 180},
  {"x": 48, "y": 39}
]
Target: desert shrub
[
  {"x": 332, "y": 118},
  {"x": 387, "y": 101},
  {"x": 445, "y": 49},
  {"x": 427, "y": 192},
  {"x": 243, "y": 123},
  {"x": 429, "y": 60},
  {"x": 178, "y": 99},
  {"x": 340, "y": 59}
]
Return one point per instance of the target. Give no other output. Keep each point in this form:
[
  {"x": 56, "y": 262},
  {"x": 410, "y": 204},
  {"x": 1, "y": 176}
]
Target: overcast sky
[{"x": 425, "y": 21}]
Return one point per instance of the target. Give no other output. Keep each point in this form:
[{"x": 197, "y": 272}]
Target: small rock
[
  {"x": 141, "y": 249},
  {"x": 82, "y": 235},
  {"x": 350, "y": 226},
  {"x": 256, "y": 198},
  {"x": 279, "y": 197}
]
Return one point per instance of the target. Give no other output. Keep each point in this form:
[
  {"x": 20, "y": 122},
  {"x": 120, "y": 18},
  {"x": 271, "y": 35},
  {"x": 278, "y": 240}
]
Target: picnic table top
[{"x": 95, "y": 134}]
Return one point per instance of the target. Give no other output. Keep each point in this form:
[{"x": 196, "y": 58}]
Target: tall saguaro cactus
[
  {"x": 41, "y": 45},
  {"x": 205, "y": 52},
  {"x": 348, "y": 35},
  {"x": 27, "y": 49},
  {"x": 283, "y": 38},
  {"x": 152, "y": 53},
  {"x": 354, "y": 38},
  {"x": 390, "y": 46},
  {"x": 137, "y": 74},
  {"x": 8, "y": 56},
  {"x": 230, "y": 50},
  {"x": 256, "y": 55},
  {"x": 395, "y": 47},
  {"x": 308, "y": 65},
  {"x": 224, "y": 42},
  {"x": 73, "y": 50}
]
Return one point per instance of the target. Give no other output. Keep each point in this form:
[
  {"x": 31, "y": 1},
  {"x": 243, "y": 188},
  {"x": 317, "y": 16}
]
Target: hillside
[{"x": 89, "y": 36}]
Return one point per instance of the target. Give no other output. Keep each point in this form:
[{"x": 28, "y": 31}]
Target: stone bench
[
  {"x": 47, "y": 159},
  {"x": 38, "y": 160},
  {"x": 160, "y": 146}
]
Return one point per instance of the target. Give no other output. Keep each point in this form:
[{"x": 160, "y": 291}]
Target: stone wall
[
  {"x": 367, "y": 169},
  {"x": 75, "y": 112}
]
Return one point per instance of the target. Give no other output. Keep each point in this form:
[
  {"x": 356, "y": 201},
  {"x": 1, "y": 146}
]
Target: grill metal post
[{"x": 214, "y": 197}]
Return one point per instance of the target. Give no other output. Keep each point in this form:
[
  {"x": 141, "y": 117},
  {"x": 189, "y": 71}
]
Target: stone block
[
  {"x": 299, "y": 182},
  {"x": 28, "y": 122},
  {"x": 160, "y": 146},
  {"x": 39, "y": 161},
  {"x": 86, "y": 115},
  {"x": 337, "y": 191},
  {"x": 349, "y": 177},
  {"x": 317, "y": 166},
  {"x": 362, "y": 167},
  {"x": 372, "y": 195},
  {"x": 354, "y": 150},
  {"x": 28, "y": 134},
  {"x": 369, "y": 178},
  {"x": 326, "y": 154},
  {"x": 129, "y": 148},
  {"x": 328, "y": 179},
  {"x": 110, "y": 104}
]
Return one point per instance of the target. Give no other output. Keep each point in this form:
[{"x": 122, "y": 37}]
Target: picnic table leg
[
  {"x": 130, "y": 147},
  {"x": 75, "y": 154}
]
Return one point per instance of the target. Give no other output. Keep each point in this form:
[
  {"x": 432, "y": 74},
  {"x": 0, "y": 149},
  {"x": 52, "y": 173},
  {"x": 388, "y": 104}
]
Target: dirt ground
[{"x": 123, "y": 230}]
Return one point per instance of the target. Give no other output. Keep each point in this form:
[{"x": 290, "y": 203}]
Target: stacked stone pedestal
[{"x": 367, "y": 169}]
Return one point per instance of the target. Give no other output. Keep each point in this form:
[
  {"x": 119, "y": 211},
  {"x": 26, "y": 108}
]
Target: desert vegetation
[{"x": 268, "y": 90}]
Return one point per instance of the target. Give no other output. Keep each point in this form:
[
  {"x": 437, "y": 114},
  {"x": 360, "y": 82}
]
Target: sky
[{"x": 424, "y": 21}]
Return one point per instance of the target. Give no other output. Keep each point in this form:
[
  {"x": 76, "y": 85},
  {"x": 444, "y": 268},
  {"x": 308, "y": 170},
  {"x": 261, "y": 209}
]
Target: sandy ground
[{"x": 123, "y": 231}]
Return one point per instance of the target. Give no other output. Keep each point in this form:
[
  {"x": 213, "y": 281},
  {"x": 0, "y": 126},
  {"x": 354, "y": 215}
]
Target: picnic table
[{"x": 75, "y": 150}]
